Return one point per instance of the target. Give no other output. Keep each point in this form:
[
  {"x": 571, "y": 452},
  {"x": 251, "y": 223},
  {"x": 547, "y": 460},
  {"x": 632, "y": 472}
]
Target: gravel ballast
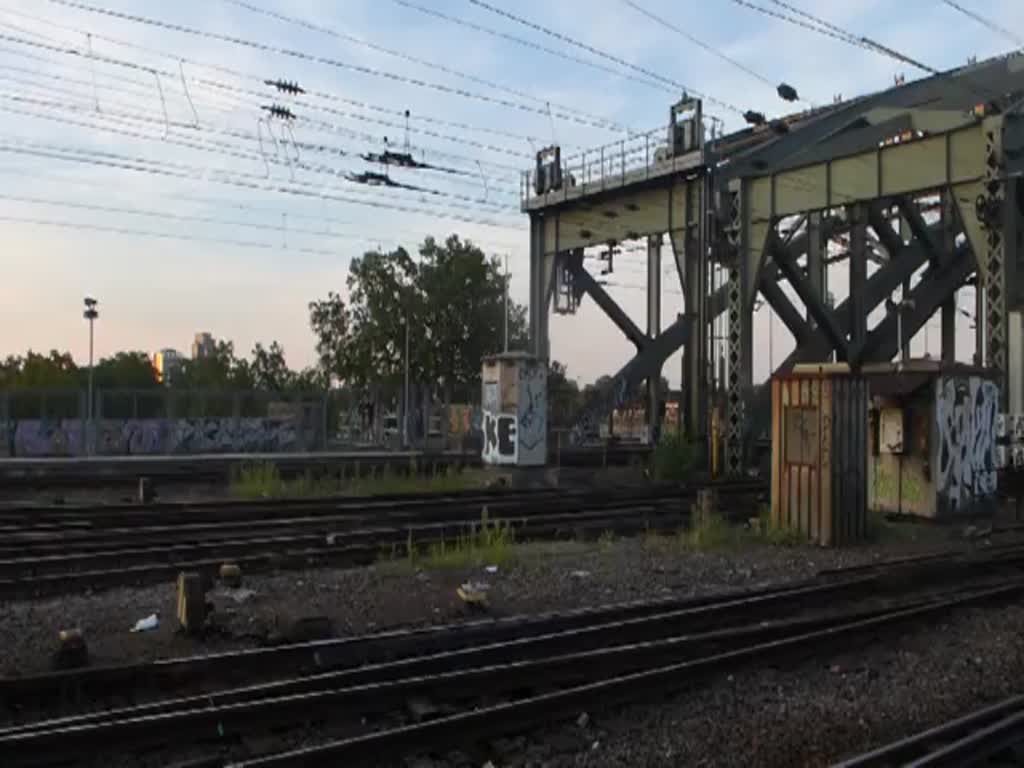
[{"x": 542, "y": 577}]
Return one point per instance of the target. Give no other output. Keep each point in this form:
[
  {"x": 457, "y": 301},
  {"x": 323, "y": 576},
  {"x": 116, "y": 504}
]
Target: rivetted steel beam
[
  {"x": 928, "y": 296},
  {"x": 785, "y": 310},
  {"x": 812, "y": 300},
  {"x": 858, "y": 312},
  {"x": 918, "y": 226},
  {"x": 589, "y": 285}
]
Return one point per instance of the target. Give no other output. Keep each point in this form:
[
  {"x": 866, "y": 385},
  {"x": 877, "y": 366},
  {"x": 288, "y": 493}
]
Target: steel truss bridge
[{"x": 921, "y": 179}]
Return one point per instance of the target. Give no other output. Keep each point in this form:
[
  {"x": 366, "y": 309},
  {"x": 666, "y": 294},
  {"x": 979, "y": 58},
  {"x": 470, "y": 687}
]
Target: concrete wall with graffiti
[
  {"x": 964, "y": 443},
  {"x": 29, "y": 438},
  {"x": 515, "y": 412}
]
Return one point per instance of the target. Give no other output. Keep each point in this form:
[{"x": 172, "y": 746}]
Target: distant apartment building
[
  {"x": 203, "y": 346},
  {"x": 167, "y": 363}
]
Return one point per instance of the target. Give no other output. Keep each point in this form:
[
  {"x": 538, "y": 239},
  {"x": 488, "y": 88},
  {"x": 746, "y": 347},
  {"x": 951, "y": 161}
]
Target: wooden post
[{"x": 191, "y": 602}]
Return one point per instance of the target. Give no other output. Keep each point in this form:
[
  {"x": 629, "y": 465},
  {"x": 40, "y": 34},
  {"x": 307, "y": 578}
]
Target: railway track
[
  {"x": 479, "y": 680},
  {"x": 990, "y": 736},
  {"x": 59, "y": 550}
]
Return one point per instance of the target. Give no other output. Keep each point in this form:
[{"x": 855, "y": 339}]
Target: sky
[{"x": 148, "y": 175}]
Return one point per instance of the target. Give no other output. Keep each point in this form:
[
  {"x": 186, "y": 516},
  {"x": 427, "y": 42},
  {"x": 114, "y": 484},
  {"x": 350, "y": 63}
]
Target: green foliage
[
  {"x": 674, "y": 458},
  {"x": 710, "y": 533},
  {"x": 484, "y": 543},
  {"x": 452, "y": 297},
  {"x": 606, "y": 541},
  {"x": 262, "y": 480},
  {"x": 778, "y": 536}
]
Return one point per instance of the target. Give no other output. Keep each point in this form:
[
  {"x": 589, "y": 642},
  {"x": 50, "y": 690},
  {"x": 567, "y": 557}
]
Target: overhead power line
[
  {"x": 177, "y": 58},
  {"x": 228, "y": 88},
  {"x": 161, "y": 235},
  {"x": 533, "y": 45},
  {"x": 281, "y": 229},
  {"x": 336, "y": 63},
  {"x": 262, "y": 211},
  {"x": 597, "y": 52},
  {"x": 698, "y": 42},
  {"x": 231, "y": 178},
  {"x": 993, "y": 26},
  {"x": 401, "y": 55},
  {"x": 823, "y": 27}
]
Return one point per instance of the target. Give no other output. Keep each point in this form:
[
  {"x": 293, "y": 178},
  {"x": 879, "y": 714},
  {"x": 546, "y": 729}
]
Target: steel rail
[
  {"x": 341, "y": 653},
  {"x": 545, "y": 708},
  {"x": 625, "y": 667},
  {"x": 967, "y": 740}
]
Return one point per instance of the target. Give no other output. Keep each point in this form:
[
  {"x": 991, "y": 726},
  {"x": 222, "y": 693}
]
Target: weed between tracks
[
  {"x": 489, "y": 542},
  {"x": 713, "y": 533},
  {"x": 262, "y": 480}
]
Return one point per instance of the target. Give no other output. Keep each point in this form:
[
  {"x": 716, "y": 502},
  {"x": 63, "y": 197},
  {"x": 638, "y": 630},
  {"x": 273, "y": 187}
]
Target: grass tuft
[
  {"x": 262, "y": 480},
  {"x": 485, "y": 543},
  {"x": 673, "y": 460}
]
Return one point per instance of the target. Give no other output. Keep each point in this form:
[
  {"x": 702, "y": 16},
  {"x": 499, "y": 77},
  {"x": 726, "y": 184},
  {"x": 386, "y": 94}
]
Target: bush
[{"x": 674, "y": 459}]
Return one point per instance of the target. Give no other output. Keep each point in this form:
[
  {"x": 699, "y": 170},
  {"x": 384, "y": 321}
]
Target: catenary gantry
[{"x": 922, "y": 180}]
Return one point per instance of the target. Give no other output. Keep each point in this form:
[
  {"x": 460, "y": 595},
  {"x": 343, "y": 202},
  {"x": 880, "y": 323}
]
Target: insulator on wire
[
  {"x": 754, "y": 118},
  {"x": 285, "y": 86},
  {"x": 788, "y": 92},
  {"x": 276, "y": 110}
]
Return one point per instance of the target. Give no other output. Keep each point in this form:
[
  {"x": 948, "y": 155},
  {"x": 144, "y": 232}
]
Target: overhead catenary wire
[
  {"x": 698, "y": 42},
  {"x": 177, "y": 58},
  {"x": 174, "y": 217},
  {"x": 231, "y": 89},
  {"x": 231, "y": 178},
  {"x": 62, "y": 224},
  {"x": 214, "y": 146},
  {"x": 597, "y": 52},
  {"x": 991, "y": 25},
  {"x": 335, "y": 63},
  {"x": 823, "y": 27},
  {"x": 295, "y": 21},
  {"x": 532, "y": 45},
  {"x": 263, "y": 211}
]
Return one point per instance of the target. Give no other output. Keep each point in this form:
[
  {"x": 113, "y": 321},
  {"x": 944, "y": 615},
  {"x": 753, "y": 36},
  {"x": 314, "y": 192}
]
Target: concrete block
[
  {"x": 191, "y": 602},
  {"x": 231, "y": 575}
]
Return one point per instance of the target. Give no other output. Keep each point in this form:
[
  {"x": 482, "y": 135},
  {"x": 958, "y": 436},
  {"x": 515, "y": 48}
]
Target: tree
[
  {"x": 220, "y": 370},
  {"x": 564, "y": 397},
  {"x": 269, "y": 370},
  {"x": 453, "y": 298},
  {"x": 125, "y": 370},
  {"x": 330, "y": 321}
]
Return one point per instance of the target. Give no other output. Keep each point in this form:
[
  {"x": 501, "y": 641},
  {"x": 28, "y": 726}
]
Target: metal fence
[{"x": 38, "y": 423}]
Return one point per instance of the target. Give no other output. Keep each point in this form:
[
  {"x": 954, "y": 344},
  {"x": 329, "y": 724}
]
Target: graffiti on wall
[
  {"x": 533, "y": 414},
  {"x": 965, "y": 415},
  {"x": 500, "y": 444},
  {"x": 149, "y": 437}
]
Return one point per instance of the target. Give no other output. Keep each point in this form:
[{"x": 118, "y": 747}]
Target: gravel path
[{"x": 543, "y": 577}]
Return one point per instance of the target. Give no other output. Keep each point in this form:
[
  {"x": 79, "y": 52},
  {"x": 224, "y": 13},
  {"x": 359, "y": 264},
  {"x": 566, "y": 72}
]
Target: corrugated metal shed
[{"x": 819, "y": 453}]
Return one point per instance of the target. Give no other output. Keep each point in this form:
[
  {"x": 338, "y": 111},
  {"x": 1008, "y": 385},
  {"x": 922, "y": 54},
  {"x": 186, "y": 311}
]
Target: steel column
[
  {"x": 653, "y": 326},
  {"x": 740, "y": 321},
  {"x": 995, "y": 215},
  {"x": 905, "y": 237},
  {"x": 688, "y": 246},
  {"x": 815, "y": 258},
  {"x": 542, "y": 279},
  {"x": 949, "y": 307},
  {"x": 858, "y": 276}
]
